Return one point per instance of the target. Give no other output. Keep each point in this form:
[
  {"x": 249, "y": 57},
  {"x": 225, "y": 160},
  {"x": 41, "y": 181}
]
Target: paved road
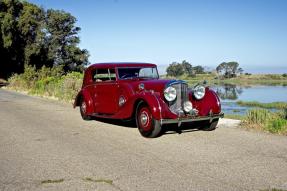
[{"x": 45, "y": 145}]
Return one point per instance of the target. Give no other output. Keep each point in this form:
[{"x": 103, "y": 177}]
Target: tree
[
  {"x": 228, "y": 69},
  {"x": 11, "y": 46},
  {"x": 31, "y": 23},
  {"x": 62, "y": 40},
  {"x": 198, "y": 69},
  {"x": 175, "y": 69},
  {"x": 240, "y": 70},
  {"x": 187, "y": 67},
  {"x": 29, "y": 35}
]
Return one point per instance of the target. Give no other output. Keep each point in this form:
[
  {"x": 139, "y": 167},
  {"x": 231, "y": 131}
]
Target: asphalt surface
[{"x": 45, "y": 145}]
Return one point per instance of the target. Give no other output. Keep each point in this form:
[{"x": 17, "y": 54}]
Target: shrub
[
  {"x": 276, "y": 105},
  {"x": 70, "y": 85},
  {"x": 257, "y": 116},
  {"x": 48, "y": 82},
  {"x": 267, "y": 121},
  {"x": 278, "y": 126}
]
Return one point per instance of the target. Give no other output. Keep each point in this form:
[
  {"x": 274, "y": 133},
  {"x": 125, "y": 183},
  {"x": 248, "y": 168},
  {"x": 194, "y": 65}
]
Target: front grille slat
[{"x": 182, "y": 96}]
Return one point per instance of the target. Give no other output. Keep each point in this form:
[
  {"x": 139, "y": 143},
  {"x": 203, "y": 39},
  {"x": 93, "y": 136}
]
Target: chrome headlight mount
[
  {"x": 199, "y": 91},
  {"x": 122, "y": 101},
  {"x": 170, "y": 93}
]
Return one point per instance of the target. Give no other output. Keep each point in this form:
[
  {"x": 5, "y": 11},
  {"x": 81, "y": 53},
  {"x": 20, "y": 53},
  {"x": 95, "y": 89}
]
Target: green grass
[
  {"x": 107, "y": 181},
  {"x": 254, "y": 79},
  {"x": 273, "y": 105},
  {"x": 49, "y": 82},
  {"x": 52, "y": 181},
  {"x": 264, "y": 120}
]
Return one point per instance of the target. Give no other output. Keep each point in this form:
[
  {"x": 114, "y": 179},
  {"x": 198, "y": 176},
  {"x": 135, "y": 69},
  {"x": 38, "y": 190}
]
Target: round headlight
[
  {"x": 199, "y": 92},
  {"x": 187, "y": 106},
  {"x": 170, "y": 93}
]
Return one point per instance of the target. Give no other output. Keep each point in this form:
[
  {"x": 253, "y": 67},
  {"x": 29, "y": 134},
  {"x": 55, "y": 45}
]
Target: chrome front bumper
[{"x": 210, "y": 118}]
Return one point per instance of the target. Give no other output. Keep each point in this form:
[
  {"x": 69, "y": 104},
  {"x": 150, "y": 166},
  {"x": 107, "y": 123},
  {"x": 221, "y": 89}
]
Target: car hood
[{"x": 157, "y": 85}]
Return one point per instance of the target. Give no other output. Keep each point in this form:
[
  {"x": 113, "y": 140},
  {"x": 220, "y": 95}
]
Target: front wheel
[
  {"x": 210, "y": 126},
  {"x": 83, "y": 110},
  {"x": 147, "y": 125}
]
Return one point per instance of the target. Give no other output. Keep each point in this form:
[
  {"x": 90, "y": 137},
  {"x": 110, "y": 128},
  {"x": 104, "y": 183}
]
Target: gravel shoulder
[{"x": 45, "y": 145}]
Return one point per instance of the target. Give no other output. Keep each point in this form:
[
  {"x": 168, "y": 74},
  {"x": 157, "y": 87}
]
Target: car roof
[{"x": 120, "y": 64}]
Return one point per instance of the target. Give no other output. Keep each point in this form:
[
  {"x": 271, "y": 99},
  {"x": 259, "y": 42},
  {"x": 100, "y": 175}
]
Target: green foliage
[
  {"x": 175, "y": 69},
  {"x": 30, "y": 35},
  {"x": 284, "y": 75},
  {"x": 273, "y": 105},
  {"x": 187, "y": 68},
  {"x": 257, "y": 116},
  {"x": 198, "y": 70},
  {"x": 276, "y": 126},
  {"x": 267, "y": 121},
  {"x": 184, "y": 68},
  {"x": 48, "y": 82},
  {"x": 228, "y": 69},
  {"x": 63, "y": 39}
]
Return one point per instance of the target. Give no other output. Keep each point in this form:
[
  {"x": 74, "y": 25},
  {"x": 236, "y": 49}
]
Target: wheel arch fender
[
  {"x": 152, "y": 100},
  {"x": 84, "y": 94}
]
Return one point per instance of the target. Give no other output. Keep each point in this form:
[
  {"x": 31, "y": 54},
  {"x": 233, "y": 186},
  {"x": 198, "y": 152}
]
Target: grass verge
[
  {"x": 272, "y": 105},
  {"x": 264, "y": 120},
  {"x": 254, "y": 79},
  {"x": 50, "y": 82}
]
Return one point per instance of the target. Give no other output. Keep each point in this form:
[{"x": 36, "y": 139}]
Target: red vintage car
[{"x": 134, "y": 91}]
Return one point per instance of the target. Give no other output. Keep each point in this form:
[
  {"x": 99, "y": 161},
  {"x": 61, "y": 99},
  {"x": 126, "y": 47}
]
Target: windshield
[{"x": 129, "y": 73}]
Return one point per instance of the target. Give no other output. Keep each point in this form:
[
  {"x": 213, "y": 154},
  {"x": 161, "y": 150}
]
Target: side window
[
  {"x": 102, "y": 75},
  {"x": 112, "y": 74}
]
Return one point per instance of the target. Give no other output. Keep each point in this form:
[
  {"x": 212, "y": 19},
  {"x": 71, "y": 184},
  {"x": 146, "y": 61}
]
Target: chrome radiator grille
[{"x": 182, "y": 96}]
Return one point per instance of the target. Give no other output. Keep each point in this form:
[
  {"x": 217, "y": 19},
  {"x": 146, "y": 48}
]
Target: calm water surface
[{"x": 230, "y": 94}]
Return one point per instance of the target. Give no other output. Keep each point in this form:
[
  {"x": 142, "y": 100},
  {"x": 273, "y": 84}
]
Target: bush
[
  {"x": 284, "y": 75},
  {"x": 70, "y": 85},
  {"x": 48, "y": 82},
  {"x": 257, "y": 116},
  {"x": 267, "y": 121},
  {"x": 277, "y": 126}
]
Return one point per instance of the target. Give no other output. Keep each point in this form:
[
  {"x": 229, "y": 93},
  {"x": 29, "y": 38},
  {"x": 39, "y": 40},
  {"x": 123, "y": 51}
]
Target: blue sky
[{"x": 203, "y": 32}]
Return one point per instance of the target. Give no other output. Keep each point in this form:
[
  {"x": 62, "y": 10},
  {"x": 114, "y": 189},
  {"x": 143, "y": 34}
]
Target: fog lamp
[{"x": 187, "y": 106}]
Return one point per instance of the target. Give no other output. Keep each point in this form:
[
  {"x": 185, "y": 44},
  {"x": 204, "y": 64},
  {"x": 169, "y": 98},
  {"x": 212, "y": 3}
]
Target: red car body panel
[{"x": 102, "y": 98}]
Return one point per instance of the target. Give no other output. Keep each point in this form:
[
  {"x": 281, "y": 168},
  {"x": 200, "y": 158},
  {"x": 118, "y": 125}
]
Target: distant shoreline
[{"x": 253, "y": 79}]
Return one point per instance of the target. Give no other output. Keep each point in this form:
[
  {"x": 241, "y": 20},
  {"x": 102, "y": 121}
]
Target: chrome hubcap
[
  {"x": 144, "y": 118},
  {"x": 84, "y": 107}
]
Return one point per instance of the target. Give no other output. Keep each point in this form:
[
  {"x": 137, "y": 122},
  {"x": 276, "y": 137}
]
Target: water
[{"x": 230, "y": 94}]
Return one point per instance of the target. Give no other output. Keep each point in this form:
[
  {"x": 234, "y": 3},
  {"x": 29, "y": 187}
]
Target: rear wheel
[
  {"x": 83, "y": 110},
  {"x": 147, "y": 125},
  {"x": 210, "y": 126}
]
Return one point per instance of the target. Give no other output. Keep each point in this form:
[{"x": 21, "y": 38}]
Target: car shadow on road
[
  {"x": 166, "y": 129},
  {"x": 184, "y": 128},
  {"x": 118, "y": 122}
]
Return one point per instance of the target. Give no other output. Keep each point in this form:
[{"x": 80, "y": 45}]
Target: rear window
[{"x": 104, "y": 74}]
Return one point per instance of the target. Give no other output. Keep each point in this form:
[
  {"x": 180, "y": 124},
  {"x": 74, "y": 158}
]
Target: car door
[{"x": 105, "y": 91}]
